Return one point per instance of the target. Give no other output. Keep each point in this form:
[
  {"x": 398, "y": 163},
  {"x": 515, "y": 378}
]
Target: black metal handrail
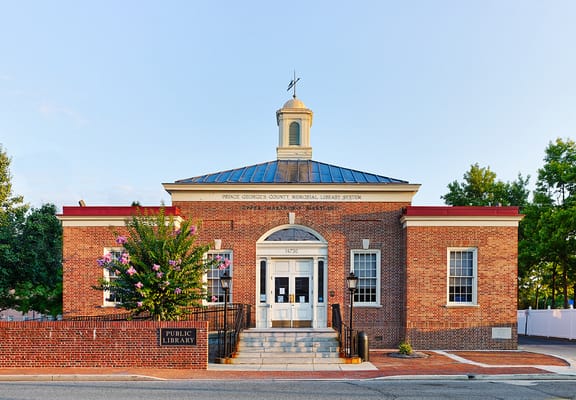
[
  {"x": 346, "y": 337},
  {"x": 239, "y": 315}
]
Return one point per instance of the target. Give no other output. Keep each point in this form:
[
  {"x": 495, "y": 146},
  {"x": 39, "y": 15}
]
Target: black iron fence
[
  {"x": 214, "y": 315},
  {"x": 347, "y": 338}
]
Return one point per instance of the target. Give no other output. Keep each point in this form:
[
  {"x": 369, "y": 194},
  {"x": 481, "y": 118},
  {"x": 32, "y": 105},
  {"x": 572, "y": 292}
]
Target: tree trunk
[
  {"x": 553, "y": 305},
  {"x": 565, "y": 282}
]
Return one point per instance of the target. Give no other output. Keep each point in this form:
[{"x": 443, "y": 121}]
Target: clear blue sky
[{"x": 105, "y": 100}]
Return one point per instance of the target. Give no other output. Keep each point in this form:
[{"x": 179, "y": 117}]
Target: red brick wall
[
  {"x": 413, "y": 267},
  {"x": 82, "y": 247},
  {"x": 432, "y": 324},
  {"x": 83, "y": 344},
  {"x": 343, "y": 225}
]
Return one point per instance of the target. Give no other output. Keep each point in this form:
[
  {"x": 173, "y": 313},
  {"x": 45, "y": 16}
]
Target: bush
[{"x": 405, "y": 348}]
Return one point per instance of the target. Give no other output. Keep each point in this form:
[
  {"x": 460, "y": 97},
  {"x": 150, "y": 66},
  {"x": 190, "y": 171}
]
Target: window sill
[
  {"x": 360, "y": 305},
  {"x": 454, "y": 305}
]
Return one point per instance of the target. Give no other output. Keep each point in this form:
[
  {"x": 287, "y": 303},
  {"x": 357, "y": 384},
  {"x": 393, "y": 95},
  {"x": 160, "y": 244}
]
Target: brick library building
[{"x": 294, "y": 229}]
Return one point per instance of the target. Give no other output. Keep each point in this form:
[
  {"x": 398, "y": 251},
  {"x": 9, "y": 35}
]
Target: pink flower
[
  {"x": 101, "y": 262},
  {"x": 125, "y": 258},
  {"x": 159, "y": 274},
  {"x": 214, "y": 299},
  {"x": 166, "y": 283},
  {"x": 121, "y": 239},
  {"x": 193, "y": 230},
  {"x": 177, "y": 232},
  {"x": 218, "y": 257},
  {"x": 156, "y": 267},
  {"x": 171, "y": 263},
  {"x": 131, "y": 271},
  {"x": 139, "y": 304},
  {"x": 139, "y": 285},
  {"x": 108, "y": 257},
  {"x": 224, "y": 265},
  {"x": 177, "y": 290}
]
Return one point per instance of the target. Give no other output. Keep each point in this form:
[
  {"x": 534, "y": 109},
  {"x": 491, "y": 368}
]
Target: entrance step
[{"x": 288, "y": 346}]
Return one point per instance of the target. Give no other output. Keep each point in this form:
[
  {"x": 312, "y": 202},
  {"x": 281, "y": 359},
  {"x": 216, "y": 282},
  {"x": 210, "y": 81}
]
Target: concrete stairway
[{"x": 287, "y": 346}]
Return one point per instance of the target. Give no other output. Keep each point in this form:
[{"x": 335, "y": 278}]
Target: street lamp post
[
  {"x": 225, "y": 282},
  {"x": 352, "y": 285}
]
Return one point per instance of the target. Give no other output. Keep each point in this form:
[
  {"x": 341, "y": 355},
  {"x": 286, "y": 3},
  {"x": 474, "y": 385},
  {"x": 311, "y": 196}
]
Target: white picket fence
[{"x": 548, "y": 323}]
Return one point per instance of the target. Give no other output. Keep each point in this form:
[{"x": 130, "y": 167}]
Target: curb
[
  {"x": 76, "y": 378},
  {"x": 142, "y": 378}
]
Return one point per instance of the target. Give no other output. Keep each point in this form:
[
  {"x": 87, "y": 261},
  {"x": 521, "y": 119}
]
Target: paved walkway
[{"x": 437, "y": 364}]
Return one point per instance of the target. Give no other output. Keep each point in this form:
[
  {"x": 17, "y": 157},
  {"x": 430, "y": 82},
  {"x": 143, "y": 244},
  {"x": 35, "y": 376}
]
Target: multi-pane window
[
  {"x": 110, "y": 297},
  {"x": 215, "y": 291},
  {"x": 366, "y": 266},
  {"x": 462, "y": 267}
]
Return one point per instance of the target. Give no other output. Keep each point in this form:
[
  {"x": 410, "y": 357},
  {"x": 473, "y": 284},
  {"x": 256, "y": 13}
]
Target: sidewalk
[{"x": 438, "y": 364}]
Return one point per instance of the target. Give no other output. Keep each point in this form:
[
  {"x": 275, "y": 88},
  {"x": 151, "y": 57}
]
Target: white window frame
[
  {"x": 353, "y": 254},
  {"x": 207, "y": 278},
  {"x": 111, "y": 250},
  {"x": 474, "y": 276}
]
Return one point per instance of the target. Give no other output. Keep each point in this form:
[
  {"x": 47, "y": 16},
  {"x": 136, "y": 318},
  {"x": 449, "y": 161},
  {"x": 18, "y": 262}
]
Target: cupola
[{"x": 294, "y": 122}]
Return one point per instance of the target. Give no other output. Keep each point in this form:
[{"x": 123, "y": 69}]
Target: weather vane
[{"x": 292, "y": 84}]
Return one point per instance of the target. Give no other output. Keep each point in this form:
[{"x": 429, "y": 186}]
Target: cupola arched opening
[{"x": 294, "y": 134}]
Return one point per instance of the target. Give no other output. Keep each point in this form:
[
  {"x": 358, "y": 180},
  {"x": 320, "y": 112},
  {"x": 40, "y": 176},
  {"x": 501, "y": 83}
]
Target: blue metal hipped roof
[{"x": 290, "y": 171}]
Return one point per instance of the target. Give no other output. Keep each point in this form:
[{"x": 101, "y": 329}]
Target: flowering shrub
[{"x": 161, "y": 268}]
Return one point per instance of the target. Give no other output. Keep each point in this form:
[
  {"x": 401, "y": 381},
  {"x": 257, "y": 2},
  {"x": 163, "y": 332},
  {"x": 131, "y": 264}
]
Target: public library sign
[{"x": 177, "y": 336}]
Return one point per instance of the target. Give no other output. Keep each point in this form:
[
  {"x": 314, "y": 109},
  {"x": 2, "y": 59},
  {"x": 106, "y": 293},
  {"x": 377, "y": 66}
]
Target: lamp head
[
  {"x": 352, "y": 281},
  {"x": 225, "y": 280}
]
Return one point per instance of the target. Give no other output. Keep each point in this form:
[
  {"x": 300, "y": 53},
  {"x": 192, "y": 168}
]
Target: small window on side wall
[
  {"x": 214, "y": 288},
  {"x": 111, "y": 298},
  {"x": 462, "y": 276}
]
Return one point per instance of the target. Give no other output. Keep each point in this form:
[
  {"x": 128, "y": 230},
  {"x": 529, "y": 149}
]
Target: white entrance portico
[{"x": 291, "y": 278}]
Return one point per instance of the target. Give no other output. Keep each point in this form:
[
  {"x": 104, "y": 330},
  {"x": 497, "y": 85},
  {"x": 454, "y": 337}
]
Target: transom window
[
  {"x": 291, "y": 234},
  {"x": 366, "y": 266},
  {"x": 462, "y": 276},
  {"x": 215, "y": 291}
]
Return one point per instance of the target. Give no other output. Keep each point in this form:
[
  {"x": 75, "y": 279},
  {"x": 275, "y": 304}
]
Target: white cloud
[{"x": 49, "y": 110}]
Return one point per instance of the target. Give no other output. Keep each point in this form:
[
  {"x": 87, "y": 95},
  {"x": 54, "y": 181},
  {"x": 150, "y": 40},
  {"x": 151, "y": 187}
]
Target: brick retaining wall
[{"x": 93, "y": 344}]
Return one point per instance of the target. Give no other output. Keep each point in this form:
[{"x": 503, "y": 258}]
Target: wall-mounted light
[
  {"x": 291, "y": 218},
  {"x": 365, "y": 244},
  {"x": 217, "y": 244}
]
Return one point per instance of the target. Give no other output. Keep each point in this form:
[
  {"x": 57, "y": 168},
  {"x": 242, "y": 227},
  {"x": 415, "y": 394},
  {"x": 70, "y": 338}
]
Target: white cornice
[
  {"x": 431, "y": 221},
  {"x": 392, "y": 192},
  {"x": 92, "y": 221},
  {"x": 83, "y": 221}
]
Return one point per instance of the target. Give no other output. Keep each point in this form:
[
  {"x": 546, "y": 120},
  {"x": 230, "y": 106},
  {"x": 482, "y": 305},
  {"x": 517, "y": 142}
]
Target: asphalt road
[{"x": 280, "y": 390}]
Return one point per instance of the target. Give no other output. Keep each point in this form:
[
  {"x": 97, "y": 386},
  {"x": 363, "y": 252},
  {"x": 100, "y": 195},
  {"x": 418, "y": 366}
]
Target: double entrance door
[{"x": 292, "y": 292}]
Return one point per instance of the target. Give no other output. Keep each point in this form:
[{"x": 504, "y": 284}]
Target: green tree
[
  {"x": 480, "y": 188},
  {"x": 555, "y": 202},
  {"x": 161, "y": 269},
  {"x": 30, "y": 251},
  {"x": 41, "y": 260},
  {"x": 12, "y": 218}
]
